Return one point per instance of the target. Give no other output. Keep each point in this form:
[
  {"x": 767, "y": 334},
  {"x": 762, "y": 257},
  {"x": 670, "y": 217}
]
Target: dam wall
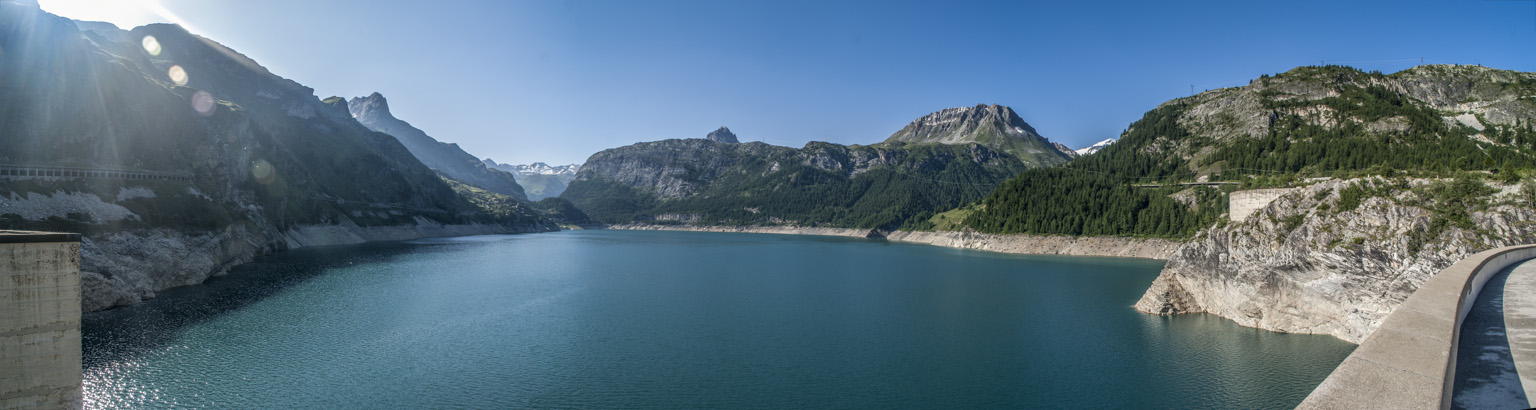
[
  {"x": 1242, "y": 204},
  {"x": 1410, "y": 361},
  {"x": 39, "y": 320}
]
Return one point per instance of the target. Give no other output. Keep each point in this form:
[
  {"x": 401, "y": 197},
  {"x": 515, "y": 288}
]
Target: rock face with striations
[
  {"x": 373, "y": 112},
  {"x": 995, "y": 126},
  {"x": 1303, "y": 265}
]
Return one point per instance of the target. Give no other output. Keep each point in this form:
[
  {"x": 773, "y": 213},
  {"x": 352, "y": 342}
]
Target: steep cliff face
[
  {"x": 710, "y": 182},
  {"x": 251, "y": 162},
  {"x": 1336, "y": 257},
  {"x": 373, "y": 111},
  {"x": 994, "y": 126}
]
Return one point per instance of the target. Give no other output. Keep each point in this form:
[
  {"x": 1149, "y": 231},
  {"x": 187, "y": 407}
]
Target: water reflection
[{"x": 604, "y": 319}]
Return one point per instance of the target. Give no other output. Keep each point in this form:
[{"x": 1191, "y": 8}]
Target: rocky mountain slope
[
  {"x": 705, "y": 181},
  {"x": 538, "y": 179},
  {"x": 1393, "y": 178},
  {"x": 994, "y": 126},
  {"x": 373, "y": 111},
  {"x": 228, "y": 161},
  {"x": 1314, "y": 121}
]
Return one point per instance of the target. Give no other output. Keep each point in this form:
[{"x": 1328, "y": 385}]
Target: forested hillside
[{"x": 1430, "y": 121}]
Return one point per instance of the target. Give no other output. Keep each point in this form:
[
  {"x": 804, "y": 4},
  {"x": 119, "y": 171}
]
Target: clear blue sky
[{"x": 555, "y": 81}]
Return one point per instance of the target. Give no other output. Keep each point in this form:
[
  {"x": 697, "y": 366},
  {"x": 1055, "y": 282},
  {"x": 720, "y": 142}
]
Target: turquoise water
[{"x": 672, "y": 320}]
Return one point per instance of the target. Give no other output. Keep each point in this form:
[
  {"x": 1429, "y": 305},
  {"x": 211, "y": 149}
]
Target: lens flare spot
[
  {"x": 178, "y": 75},
  {"x": 263, "y": 171},
  {"x": 151, "y": 45},
  {"x": 202, "y": 102}
]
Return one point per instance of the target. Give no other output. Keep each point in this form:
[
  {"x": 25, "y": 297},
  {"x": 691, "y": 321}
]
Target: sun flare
[{"x": 125, "y": 14}]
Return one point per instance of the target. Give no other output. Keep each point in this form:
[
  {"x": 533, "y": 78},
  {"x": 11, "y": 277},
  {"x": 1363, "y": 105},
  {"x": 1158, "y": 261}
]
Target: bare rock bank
[
  {"x": 126, "y": 267},
  {"x": 1338, "y": 256},
  {"x": 1016, "y": 244}
]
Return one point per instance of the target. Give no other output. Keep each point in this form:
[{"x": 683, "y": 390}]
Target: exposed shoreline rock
[
  {"x": 1015, "y": 244},
  {"x": 126, "y": 267},
  {"x": 1302, "y": 265}
]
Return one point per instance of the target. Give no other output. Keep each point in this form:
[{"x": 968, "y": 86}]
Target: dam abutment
[{"x": 40, "y": 354}]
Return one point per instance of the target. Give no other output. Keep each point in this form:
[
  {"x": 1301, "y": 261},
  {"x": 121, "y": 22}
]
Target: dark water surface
[{"x": 673, "y": 320}]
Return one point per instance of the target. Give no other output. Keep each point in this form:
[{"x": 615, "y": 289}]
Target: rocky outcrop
[
  {"x": 373, "y": 112},
  {"x": 1336, "y": 257},
  {"x": 994, "y": 126},
  {"x": 722, "y": 135}
]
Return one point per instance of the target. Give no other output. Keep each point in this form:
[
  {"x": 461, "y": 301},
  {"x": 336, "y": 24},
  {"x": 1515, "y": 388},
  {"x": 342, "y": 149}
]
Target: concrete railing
[
  {"x": 1410, "y": 361},
  {"x": 70, "y": 172}
]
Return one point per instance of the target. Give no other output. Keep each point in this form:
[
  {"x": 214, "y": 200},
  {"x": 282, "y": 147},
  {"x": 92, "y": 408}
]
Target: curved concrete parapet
[{"x": 1410, "y": 361}]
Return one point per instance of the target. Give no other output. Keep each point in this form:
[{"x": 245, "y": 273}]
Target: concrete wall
[
  {"x": 1410, "y": 361},
  {"x": 39, "y": 320},
  {"x": 1242, "y": 204}
]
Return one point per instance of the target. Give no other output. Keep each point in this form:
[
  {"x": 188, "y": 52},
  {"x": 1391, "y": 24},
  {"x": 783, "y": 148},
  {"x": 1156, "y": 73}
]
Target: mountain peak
[
  {"x": 722, "y": 135},
  {"x": 993, "y": 125},
  {"x": 961, "y": 125},
  {"x": 373, "y": 104}
]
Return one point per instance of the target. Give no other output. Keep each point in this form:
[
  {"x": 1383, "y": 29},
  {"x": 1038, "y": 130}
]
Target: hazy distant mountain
[
  {"x": 373, "y": 112},
  {"x": 537, "y": 168},
  {"x": 994, "y": 126},
  {"x": 538, "y": 179},
  {"x": 1095, "y": 147}
]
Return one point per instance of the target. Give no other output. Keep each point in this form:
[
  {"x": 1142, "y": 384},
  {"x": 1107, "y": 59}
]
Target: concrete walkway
[
  {"x": 1520, "y": 317},
  {"x": 1496, "y": 364}
]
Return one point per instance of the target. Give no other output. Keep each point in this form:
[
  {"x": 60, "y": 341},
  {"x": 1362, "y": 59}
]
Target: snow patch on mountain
[{"x": 1095, "y": 147}]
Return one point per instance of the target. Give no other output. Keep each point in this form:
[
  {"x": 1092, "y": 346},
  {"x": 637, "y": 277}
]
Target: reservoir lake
[{"x": 683, "y": 320}]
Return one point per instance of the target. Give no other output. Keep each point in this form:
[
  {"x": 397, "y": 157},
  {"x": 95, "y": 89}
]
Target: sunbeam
[{"x": 125, "y": 14}]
